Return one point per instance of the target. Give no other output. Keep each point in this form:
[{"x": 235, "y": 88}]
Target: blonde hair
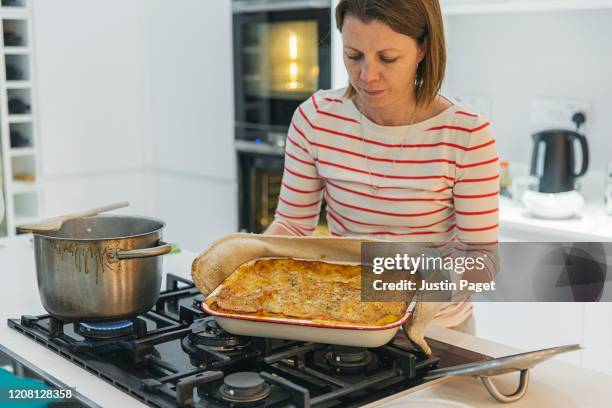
[{"x": 419, "y": 19}]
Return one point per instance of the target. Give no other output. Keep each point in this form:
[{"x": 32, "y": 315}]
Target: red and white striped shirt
[{"x": 438, "y": 180}]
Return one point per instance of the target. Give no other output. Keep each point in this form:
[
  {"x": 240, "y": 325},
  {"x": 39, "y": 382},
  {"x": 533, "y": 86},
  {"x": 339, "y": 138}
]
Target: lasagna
[{"x": 304, "y": 290}]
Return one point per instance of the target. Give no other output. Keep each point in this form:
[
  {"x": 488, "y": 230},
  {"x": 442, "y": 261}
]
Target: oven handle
[{"x": 253, "y": 6}]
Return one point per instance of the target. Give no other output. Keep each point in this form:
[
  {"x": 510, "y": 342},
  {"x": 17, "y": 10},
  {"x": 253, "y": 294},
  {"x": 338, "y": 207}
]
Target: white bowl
[{"x": 554, "y": 206}]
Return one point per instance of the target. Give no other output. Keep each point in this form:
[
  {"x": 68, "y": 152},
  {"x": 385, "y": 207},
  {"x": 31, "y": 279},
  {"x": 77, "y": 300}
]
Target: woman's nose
[{"x": 369, "y": 72}]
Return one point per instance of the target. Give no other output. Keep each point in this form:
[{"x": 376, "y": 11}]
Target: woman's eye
[
  {"x": 354, "y": 57},
  {"x": 388, "y": 60}
]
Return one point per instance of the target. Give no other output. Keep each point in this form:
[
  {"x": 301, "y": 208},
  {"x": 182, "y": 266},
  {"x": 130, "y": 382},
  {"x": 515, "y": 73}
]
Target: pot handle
[
  {"x": 515, "y": 396},
  {"x": 162, "y": 249}
]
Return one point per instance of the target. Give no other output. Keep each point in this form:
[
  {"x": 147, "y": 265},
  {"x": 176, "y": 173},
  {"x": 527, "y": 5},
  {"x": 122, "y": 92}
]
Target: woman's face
[{"x": 380, "y": 62}]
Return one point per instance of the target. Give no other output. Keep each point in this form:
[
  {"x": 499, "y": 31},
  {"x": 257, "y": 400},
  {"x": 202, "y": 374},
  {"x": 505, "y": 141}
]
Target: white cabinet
[
  {"x": 91, "y": 86},
  {"x": 19, "y": 142},
  {"x": 450, "y": 7},
  {"x": 131, "y": 93},
  {"x": 189, "y": 56},
  {"x": 196, "y": 210},
  {"x": 597, "y": 342},
  {"x": 532, "y": 326},
  {"x": 92, "y": 93},
  {"x": 191, "y": 87}
]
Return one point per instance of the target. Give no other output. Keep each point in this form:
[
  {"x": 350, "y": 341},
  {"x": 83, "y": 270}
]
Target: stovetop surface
[{"x": 175, "y": 355}]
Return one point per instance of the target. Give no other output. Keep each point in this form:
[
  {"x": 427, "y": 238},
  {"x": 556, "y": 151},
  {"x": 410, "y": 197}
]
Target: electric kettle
[{"x": 553, "y": 159}]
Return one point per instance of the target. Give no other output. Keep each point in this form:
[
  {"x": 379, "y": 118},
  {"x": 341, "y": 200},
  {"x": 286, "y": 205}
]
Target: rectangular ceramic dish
[{"x": 306, "y": 330}]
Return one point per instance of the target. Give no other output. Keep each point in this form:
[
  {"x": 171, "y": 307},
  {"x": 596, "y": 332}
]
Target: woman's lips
[{"x": 373, "y": 92}]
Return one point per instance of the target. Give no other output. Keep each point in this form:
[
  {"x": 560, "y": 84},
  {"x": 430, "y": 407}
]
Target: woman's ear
[{"x": 422, "y": 51}]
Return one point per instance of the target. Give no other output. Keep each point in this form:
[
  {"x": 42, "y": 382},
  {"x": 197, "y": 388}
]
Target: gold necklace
[{"x": 373, "y": 186}]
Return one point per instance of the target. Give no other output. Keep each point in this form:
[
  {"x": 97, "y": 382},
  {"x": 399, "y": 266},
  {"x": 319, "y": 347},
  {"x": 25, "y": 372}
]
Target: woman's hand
[{"x": 423, "y": 314}]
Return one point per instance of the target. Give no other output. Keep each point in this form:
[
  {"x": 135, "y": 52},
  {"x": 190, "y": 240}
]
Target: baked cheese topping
[{"x": 306, "y": 290}]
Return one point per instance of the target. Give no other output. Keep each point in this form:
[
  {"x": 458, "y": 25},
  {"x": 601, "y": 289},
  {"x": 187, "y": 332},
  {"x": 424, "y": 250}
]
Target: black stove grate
[{"x": 163, "y": 365}]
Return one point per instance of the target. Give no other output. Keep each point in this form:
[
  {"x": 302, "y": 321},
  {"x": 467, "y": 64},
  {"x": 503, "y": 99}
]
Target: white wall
[
  {"x": 512, "y": 58},
  {"x": 339, "y": 75}
]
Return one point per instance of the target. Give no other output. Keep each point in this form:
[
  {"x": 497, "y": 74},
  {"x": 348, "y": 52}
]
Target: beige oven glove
[
  {"x": 226, "y": 254},
  {"x": 424, "y": 312}
]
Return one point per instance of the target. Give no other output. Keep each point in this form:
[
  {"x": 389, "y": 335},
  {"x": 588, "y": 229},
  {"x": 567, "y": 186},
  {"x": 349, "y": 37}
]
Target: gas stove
[{"x": 176, "y": 355}]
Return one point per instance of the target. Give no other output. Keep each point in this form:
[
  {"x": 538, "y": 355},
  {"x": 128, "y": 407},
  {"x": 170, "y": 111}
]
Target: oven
[
  {"x": 259, "y": 179},
  {"x": 260, "y": 173},
  {"x": 281, "y": 57}
]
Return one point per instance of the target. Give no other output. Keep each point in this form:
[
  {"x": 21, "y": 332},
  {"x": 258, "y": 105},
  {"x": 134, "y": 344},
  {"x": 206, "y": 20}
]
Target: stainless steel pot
[{"x": 100, "y": 268}]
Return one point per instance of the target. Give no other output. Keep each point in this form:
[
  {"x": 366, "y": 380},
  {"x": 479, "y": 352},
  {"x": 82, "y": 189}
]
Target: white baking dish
[{"x": 306, "y": 330}]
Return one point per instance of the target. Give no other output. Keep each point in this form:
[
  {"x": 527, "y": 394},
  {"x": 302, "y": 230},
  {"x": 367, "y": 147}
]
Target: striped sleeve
[
  {"x": 476, "y": 187},
  {"x": 299, "y": 202}
]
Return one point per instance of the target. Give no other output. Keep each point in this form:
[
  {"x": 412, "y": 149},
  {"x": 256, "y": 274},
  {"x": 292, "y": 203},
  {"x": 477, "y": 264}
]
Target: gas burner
[
  {"x": 207, "y": 340},
  {"x": 206, "y": 332},
  {"x": 105, "y": 330},
  {"x": 175, "y": 355},
  {"x": 197, "y": 301},
  {"x": 244, "y": 388},
  {"x": 345, "y": 359}
]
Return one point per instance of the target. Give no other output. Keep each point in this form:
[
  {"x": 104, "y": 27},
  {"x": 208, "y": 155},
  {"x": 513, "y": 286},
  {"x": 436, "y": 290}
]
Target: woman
[{"x": 392, "y": 157}]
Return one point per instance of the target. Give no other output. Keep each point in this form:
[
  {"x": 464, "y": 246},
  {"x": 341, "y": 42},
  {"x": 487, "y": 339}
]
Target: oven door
[
  {"x": 281, "y": 57},
  {"x": 260, "y": 174},
  {"x": 259, "y": 179}
]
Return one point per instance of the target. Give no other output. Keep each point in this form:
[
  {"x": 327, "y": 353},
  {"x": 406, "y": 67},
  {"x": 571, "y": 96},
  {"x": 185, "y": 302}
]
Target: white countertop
[
  {"x": 19, "y": 296},
  {"x": 552, "y": 383},
  {"x": 590, "y": 224}
]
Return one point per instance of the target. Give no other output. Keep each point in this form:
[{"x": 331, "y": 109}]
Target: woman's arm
[
  {"x": 301, "y": 191},
  {"x": 277, "y": 229},
  {"x": 476, "y": 201},
  {"x": 476, "y": 187}
]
